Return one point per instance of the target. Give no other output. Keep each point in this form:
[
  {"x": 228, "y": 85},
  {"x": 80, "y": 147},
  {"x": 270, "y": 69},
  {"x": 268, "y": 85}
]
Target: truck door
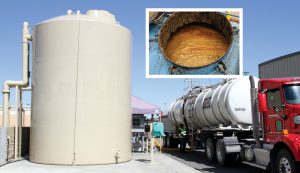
[{"x": 273, "y": 121}]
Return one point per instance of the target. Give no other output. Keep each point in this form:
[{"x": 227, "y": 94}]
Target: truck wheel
[
  {"x": 210, "y": 150},
  {"x": 285, "y": 162},
  {"x": 220, "y": 152},
  {"x": 223, "y": 158}
]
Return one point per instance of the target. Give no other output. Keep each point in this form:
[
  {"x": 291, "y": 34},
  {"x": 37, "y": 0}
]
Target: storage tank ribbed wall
[{"x": 81, "y": 111}]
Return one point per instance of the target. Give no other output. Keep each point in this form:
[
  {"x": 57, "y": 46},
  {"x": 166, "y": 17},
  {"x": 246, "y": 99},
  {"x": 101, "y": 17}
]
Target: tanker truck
[{"x": 247, "y": 120}]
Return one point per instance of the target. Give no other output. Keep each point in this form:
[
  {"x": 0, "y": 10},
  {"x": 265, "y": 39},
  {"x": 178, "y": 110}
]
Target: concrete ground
[
  {"x": 140, "y": 164},
  {"x": 197, "y": 160}
]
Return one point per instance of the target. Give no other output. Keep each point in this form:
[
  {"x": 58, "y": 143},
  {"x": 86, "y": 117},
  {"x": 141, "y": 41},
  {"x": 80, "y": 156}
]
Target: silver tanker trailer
[{"x": 218, "y": 117}]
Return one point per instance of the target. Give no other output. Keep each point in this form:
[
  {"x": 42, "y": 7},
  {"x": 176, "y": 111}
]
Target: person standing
[{"x": 182, "y": 138}]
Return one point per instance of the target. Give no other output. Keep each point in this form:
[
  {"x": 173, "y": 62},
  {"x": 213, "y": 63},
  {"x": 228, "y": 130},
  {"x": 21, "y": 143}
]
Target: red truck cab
[{"x": 279, "y": 107}]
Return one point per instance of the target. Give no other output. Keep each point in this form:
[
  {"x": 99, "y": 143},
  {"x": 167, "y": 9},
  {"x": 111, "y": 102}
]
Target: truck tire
[
  {"x": 221, "y": 152},
  {"x": 210, "y": 150},
  {"x": 285, "y": 162},
  {"x": 223, "y": 158}
]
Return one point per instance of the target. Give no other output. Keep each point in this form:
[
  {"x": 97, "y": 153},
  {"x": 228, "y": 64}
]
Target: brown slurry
[{"x": 196, "y": 45}]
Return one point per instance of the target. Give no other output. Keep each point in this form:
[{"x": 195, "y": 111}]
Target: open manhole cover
[{"x": 195, "y": 39}]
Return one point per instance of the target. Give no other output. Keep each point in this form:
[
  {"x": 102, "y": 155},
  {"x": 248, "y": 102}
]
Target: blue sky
[{"x": 271, "y": 29}]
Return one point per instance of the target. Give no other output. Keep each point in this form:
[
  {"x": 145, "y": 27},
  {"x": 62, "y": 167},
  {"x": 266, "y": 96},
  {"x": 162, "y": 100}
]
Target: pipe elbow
[
  {"x": 9, "y": 84},
  {"x": 25, "y": 83},
  {"x": 5, "y": 87},
  {"x": 26, "y": 36}
]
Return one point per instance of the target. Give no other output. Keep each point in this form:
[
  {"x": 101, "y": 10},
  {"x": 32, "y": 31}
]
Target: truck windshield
[{"x": 292, "y": 93}]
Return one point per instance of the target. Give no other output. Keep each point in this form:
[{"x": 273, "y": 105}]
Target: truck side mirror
[{"x": 262, "y": 102}]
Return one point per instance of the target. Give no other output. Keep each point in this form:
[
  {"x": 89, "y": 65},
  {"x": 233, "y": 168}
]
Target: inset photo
[{"x": 194, "y": 43}]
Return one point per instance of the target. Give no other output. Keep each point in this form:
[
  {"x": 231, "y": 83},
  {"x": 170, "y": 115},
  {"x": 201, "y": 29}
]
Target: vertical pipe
[
  {"x": 5, "y": 115},
  {"x": 151, "y": 142},
  {"x": 18, "y": 84},
  {"x": 255, "y": 119},
  {"x": 20, "y": 123},
  {"x": 152, "y": 147},
  {"x": 25, "y": 78},
  {"x": 16, "y": 124},
  {"x": 7, "y": 148},
  {"x": 160, "y": 141},
  {"x": 25, "y": 54}
]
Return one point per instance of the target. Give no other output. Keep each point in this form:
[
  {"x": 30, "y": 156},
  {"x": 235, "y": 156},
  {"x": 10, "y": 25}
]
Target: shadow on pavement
[
  {"x": 197, "y": 160},
  {"x": 143, "y": 160}
]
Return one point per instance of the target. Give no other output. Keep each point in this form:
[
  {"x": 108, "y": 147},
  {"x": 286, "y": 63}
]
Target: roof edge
[{"x": 281, "y": 57}]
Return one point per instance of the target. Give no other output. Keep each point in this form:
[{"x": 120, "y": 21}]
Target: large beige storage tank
[{"x": 81, "y": 111}]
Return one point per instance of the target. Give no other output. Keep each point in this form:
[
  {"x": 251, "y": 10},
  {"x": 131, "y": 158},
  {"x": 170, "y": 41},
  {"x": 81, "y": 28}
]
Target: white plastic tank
[
  {"x": 228, "y": 103},
  {"x": 81, "y": 111}
]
